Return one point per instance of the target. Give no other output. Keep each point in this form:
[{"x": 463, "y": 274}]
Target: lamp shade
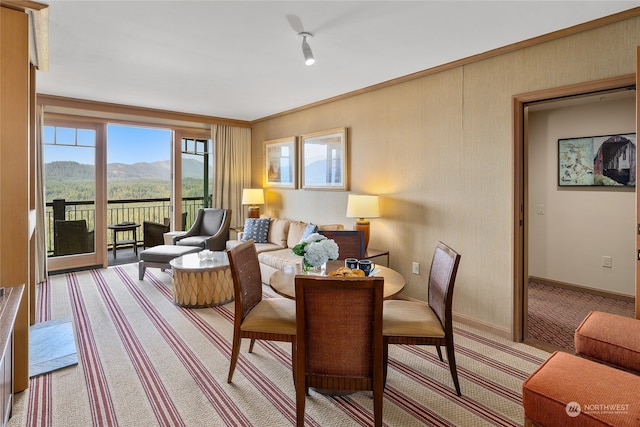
[
  {"x": 253, "y": 196},
  {"x": 362, "y": 206}
]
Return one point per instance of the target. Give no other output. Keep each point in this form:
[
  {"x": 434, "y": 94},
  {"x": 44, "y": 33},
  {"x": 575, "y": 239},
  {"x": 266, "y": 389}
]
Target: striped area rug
[{"x": 144, "y": 361}]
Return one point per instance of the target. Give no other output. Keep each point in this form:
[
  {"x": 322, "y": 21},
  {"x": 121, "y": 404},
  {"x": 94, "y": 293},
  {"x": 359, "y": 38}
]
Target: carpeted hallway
[{"x": 554, "y": 313}]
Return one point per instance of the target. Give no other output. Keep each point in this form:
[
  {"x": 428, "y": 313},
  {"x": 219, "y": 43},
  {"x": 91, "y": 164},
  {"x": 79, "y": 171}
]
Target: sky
[{"x": 125, "y": 144}]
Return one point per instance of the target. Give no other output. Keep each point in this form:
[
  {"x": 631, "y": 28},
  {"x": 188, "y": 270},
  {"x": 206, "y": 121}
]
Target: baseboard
[
  {"x": 478, "y": 324},
  {"x": 584, "y": 289},
  {"x": 483, "y": 326}
]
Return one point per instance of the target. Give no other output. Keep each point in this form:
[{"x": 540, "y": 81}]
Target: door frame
[
  {"x": 99, "y": 255},
  {"x": 520, "y": 189}
]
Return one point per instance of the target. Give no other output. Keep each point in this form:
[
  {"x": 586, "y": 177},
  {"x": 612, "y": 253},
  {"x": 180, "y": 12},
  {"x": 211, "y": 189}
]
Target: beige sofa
[{"x": 277, "y": 253}]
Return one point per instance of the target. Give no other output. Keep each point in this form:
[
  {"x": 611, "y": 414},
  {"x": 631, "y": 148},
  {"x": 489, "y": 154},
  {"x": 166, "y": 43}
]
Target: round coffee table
[{"x": 201, "y": 283}]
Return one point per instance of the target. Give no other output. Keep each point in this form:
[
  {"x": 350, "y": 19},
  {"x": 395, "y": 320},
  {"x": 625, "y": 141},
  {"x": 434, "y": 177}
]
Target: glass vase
[{"x": 314, "y": 270}]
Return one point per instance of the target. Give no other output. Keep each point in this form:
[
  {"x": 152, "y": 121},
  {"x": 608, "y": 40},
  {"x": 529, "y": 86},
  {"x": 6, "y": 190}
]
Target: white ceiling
[{"x": 243, "y": 59}]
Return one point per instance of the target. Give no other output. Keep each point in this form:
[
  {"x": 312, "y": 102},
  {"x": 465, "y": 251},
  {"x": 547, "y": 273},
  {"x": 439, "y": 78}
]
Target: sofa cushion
[
  {"x": 279, "y": 259},
  {"x": 278, "y": 231},
  {"x": 256, "y": 229},
  {"x": 296, "y": 231},
  {"x": 260, "y": 247},
  {"x": 331, "y": 227}
]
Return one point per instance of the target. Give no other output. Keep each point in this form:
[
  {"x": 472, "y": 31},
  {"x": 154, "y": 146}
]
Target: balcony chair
[
  {"x": 210, "y": 230},
  {"x": 272, "y": 319},
  {"x": 350, "y": 243},
  {"x": 72, "y": 237},
  {"x": 419, "y": 323},
  {"x": 154, "y": 231},
  {"x": 339, "y": 338}
]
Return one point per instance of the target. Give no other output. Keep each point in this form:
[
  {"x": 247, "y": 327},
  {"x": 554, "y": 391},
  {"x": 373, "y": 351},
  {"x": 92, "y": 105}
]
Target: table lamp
[
  {"x": 362, "y": 207},
  {"x": 253, "y": 197}
]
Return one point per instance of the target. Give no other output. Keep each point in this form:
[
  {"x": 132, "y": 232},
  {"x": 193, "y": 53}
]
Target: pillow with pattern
[
  {"x": 256, "y": 229},
  {"x": 309, "y": 230}
]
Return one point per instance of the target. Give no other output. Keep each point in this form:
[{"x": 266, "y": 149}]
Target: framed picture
[
  {"x": 280, "y": 162},
  {"x": 608, "y": 160},
  {"x": 323, "y": 160}
]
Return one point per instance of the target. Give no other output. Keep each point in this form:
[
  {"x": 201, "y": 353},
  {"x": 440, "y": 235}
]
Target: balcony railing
[{"x": 118, "y": 211}]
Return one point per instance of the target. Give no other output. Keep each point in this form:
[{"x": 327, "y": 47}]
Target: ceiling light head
[{"x": 306, "y": 49}]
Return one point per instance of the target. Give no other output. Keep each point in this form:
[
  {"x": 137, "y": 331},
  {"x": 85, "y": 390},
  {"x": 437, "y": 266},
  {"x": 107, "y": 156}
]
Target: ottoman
[
  {"x": 610, "y": 338},
  {"x": 567, "y": 390},
  {"x": 159, "y": 256}
]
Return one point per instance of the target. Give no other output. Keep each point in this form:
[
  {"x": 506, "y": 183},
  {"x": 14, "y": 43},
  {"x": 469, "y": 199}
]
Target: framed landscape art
[
  {"x": 281, "y": 162},
  {"x": 323, "y": 160},
  {"x": 608, "y": 160}
]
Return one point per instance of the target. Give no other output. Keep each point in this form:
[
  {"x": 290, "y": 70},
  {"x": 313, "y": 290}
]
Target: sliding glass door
[
  {"x": 72, "y": 171},
  {"x": 105, "y": 181},
  {"x": 139, "y": 174}
]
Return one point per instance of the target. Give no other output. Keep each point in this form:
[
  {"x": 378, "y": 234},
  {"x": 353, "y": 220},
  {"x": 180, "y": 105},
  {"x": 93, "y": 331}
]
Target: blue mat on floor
[{"x": 51, "y": 347}]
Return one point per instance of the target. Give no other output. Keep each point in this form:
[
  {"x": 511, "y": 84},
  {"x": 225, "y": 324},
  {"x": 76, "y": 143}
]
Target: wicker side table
[{"x": 201, "y": 283}]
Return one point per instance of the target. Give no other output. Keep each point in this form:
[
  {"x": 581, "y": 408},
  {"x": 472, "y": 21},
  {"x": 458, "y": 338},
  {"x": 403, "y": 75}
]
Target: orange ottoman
[
  {"x": 610, "y": 338},
  {"x": 567, "y": 390}
]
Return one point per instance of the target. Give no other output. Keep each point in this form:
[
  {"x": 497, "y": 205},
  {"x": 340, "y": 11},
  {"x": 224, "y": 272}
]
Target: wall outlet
[
  {"x": 606, "y": 261},
  {"x": 415, "y": 268}
]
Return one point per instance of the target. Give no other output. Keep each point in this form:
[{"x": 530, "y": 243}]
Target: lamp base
[
  {"x": 363, "y": 225},
  {"x": 253, "y": 212}
]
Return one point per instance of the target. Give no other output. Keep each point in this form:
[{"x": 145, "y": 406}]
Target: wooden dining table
[{"x": 283, "y": 281}]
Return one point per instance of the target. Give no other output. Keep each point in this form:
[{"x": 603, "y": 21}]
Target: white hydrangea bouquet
[{"x": 316, "y": 250}]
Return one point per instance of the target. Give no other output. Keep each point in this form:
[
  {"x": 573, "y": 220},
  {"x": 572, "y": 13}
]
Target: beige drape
[
  {"x": 232, "y": 168},
  {"x": 40, "y": 232}
]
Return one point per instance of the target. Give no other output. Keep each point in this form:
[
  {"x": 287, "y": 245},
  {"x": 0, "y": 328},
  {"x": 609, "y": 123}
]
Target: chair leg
[
  {"x": 253, "y": 341},
  {"x": 385, "y": 359},
  {"x": 293, "y": 361},
  {"x": 235, "y": 351},
  {"x": 452, "y": 365},
  {"x": 300, "y": 402},
  {"x": 439, "y": 353},
  {"x": 378, "y": 390},
  {"x": 141, "y": 270}
]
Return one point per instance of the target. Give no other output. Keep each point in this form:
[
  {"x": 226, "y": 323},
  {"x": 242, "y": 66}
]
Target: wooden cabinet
[
  {"x": 16, "y": 123},
  {"x": 9, "y": 304}
]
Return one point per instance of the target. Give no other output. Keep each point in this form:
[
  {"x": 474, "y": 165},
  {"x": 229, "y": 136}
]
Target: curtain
[
  {"x": 232, "y": 147},
  {"x": 40, "y": 233}
]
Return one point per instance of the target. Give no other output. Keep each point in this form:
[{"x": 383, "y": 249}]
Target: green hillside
[{"x": 75, "y": 182}]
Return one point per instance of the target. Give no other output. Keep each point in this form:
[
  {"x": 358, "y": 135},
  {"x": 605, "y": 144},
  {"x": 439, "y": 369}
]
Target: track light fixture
[{"x": 306, "y": 49}]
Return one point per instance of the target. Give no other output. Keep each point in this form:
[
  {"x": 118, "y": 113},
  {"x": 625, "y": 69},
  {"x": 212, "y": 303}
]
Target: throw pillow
[
  {"x": 309, "y": 230},
  {"x": 256, "y": 229}
]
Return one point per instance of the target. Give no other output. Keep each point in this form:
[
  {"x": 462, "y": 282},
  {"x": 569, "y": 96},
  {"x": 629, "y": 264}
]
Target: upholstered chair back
[{"x": 212, "y": 219}]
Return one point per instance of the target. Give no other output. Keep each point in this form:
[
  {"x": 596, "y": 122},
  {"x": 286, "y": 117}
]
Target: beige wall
[
  {"x": 439, "y": 151},
  {"x": 580, "y": 225}
]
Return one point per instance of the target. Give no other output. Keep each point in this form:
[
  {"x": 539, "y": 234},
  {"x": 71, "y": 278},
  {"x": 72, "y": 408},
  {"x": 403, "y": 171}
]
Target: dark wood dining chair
[
  {"x": 339, "y": 337},
  {"x": 272, "y": 319},
  {"x": 350, "y": 242},
  {"x": 420, "y": 323}
]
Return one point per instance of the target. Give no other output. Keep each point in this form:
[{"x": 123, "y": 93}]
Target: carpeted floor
[
  {"x": 145, "y": 362},
  {"x": 555, "y": 313}
]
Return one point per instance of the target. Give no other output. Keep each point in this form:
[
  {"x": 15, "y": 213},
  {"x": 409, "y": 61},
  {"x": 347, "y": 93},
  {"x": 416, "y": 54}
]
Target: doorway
[{"x": 521, "y": 103}]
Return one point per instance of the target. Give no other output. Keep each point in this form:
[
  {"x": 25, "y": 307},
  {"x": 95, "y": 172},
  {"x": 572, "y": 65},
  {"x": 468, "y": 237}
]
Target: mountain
[{"x": 74, "y": 171}]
